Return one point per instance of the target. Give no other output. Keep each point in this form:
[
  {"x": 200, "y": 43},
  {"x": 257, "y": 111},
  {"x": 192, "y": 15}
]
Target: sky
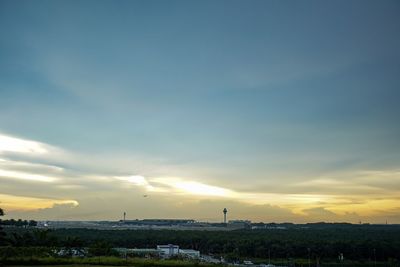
[{"x": 279, "y": 111}]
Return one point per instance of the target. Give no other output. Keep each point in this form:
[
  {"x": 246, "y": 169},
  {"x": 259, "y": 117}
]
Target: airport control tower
[{"x": 225, "y": 211}]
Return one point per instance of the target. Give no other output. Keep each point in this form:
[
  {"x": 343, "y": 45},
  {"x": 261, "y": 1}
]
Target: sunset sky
[{"x": 277, "y": 110}]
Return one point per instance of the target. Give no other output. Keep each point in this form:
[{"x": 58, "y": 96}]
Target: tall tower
[{"x": 225, "y": 211}]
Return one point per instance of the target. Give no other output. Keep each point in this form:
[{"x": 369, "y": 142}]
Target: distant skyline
[{"x": 277, "y": 110}]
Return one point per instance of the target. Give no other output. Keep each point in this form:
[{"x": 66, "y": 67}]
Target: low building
[
  {"x": 164, "y": 251},
  {"x": 168, "y": 250},
  {"x": 159, "y": 222},
  {"x": 190, "y": 253},
  {"x": 239, "y": 224}
]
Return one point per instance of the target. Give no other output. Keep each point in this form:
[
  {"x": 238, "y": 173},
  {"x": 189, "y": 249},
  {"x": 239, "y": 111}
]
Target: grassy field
[{"x": 100, "y": 261}]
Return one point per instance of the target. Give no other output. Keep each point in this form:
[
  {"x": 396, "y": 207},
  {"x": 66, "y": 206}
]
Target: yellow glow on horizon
[
  {"x": 297, "y": 204},
  {"x": 334, "y": 196},
  {"x": 12, "y": 203},
  {"x": 369, "y": 207}
]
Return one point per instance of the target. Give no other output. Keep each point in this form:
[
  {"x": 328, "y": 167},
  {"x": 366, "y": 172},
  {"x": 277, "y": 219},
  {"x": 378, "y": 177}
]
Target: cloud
[
  {"x": 318, "y": 212},
  {"x": 138, "y": 180},
  {"x": 182, "y": 186},
  {"x": 56, "y": 211},
  {"x": 30, "y": 167},
  {"x": 51, "y": 180},
  {"x": 12, "y": 144},
  {"x": 174, "y": 186},
  {"x": 26, "y": 176}
]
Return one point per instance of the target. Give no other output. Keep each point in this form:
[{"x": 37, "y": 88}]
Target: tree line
[
  {"x": 18, "y": 223},
  {"x": 378, "y": 244},
  {"x": 322, "y": 242},
  {"x": 353, "y": 243}
]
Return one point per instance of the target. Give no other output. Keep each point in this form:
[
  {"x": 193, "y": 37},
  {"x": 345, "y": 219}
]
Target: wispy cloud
[
  {"x": 13, "y": 144},
  {"x": 26, "y": 176},
  {"x": 138, "y": 180},
  {"x": 39, "y": 176}
]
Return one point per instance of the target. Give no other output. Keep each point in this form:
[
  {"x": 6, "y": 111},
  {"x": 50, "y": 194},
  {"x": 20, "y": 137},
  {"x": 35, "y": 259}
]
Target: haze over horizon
[{"x": 277, "y": 110}]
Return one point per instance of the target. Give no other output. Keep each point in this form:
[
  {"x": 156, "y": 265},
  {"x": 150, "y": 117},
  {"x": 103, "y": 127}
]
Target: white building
[{"x": 168, "y": 250}]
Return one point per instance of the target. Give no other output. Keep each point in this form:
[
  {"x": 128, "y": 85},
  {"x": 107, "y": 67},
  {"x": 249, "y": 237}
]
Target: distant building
[
  {"x": 225, "y": 211},
  {"x": 190, "y": 253},
  {"x": 159, "y": 222},
  {"x": 164, "y": 251},
  {"x": 168, "y": 250}
]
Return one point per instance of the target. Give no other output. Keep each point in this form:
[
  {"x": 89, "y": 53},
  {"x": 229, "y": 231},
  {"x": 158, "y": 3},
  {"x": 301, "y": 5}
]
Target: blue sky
[{"x": 257, "y": 97}]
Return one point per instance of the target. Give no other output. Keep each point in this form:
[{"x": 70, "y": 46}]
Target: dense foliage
[
  {"x": 319, "y": 242},
  {"x": 357, "y": 242},
  {"x": 18, "y": 223}
]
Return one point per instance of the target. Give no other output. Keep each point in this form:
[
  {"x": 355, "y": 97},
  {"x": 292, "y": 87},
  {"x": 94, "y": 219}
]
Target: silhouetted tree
[
  {"x": 43, "y": 238},
  {"x": 2, "y": 234},
  {"x": 32, "y": 223},
  {"x": 102, "y": 248},
  {"x": 17, "y": 240}
]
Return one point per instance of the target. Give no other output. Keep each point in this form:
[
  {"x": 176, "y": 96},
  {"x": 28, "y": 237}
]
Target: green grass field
[{"x": 100, "y": 261}]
